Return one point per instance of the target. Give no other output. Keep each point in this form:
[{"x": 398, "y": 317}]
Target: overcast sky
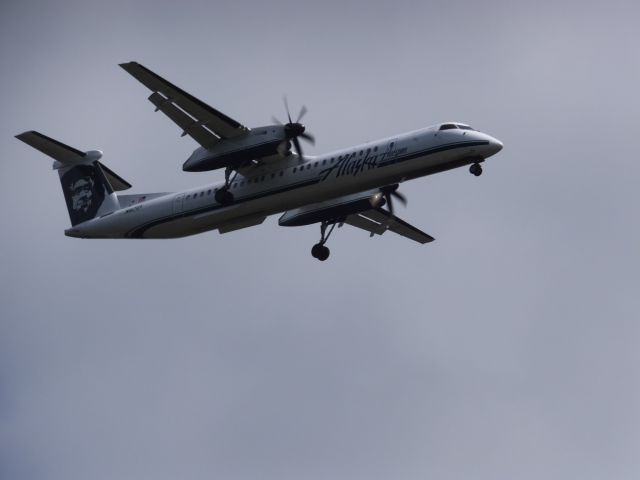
[{"x": 508, "y": 348}]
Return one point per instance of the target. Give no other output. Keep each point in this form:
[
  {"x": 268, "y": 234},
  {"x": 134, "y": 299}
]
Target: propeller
[
  {"x": 293, "y": 130},
  {"x": 391, "y": 192}
]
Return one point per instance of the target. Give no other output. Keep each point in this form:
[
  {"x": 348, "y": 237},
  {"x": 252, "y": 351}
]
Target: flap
[
  {"x": 378, "y": 220},
  {"x": 365, "y": 223},
  {"x": 189, "y": 126}
]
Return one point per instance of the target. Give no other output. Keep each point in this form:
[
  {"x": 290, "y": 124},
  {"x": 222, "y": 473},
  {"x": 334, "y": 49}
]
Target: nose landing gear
[
  {"x": 476, "y": 169},
  {"x": 319, "y": 250}
]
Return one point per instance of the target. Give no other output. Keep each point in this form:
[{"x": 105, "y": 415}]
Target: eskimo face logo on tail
[{"x": 83, "y": 191}]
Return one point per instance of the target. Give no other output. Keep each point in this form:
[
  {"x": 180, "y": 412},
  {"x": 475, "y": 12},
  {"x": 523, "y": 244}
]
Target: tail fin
[{"x": 88, "y": 186}]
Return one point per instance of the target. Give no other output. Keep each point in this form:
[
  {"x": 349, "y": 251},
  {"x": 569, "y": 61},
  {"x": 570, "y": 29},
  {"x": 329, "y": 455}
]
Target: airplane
[{"x": 356, "y": 186}]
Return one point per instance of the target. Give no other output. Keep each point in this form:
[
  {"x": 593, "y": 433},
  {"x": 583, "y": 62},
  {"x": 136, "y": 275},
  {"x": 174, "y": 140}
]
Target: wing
[
  {"x": 203, "y": 123},
  {"x": 377, "y": 221}
]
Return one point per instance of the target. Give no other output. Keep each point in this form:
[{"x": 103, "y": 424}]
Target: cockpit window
[
  {"x": 466, "y": 127},
  {"x": 447, "y": 126}
]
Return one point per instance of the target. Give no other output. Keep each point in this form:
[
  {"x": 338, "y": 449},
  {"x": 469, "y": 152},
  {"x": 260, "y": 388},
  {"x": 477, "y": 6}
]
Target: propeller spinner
[
  {"x": 391, "y": 192},
  {"x": 293, "y": 130}
]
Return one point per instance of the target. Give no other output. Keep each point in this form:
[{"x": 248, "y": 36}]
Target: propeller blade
[
  {"x": 309, "y": 138},
  {"x": 296, "y": 144},
  {"x": 286, "y": 107},
  {"x": 275, "y": 120},
  {"x": 400, "y": 197},
  {"x": 303, "y": 110},
  {"x": 387, "y": 197}
]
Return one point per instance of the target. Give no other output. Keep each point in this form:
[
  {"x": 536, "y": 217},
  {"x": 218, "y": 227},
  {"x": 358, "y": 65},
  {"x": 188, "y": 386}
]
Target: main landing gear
[
  {"x": 223, "y": 196},
  {"x": 476, "y": 169},
  {"x": 319, "y": 250}
]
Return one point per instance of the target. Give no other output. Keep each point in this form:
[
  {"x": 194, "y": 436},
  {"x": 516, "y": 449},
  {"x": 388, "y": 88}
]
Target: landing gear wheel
[
  {"x": 224, "y": 196},
  {"x": 320, "y": 252},
  {"x": 324, "y": 253},
  {"x": 476, "y": 169}
]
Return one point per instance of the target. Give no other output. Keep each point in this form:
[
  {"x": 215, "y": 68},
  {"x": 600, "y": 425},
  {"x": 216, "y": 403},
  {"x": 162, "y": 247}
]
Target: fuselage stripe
[{"x": 138, "y": 231}]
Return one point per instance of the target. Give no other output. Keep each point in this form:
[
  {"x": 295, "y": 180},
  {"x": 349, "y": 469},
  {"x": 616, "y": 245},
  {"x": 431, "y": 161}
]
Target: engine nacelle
[
  {"x": 336, "y": 209},
  {"x": 231, "y": 152}
]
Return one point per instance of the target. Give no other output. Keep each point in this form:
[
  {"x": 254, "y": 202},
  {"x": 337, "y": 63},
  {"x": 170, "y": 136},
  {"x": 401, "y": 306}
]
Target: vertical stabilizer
[
  {"x": 87, "y": 192},
  {"x": 88, "y": 186}
]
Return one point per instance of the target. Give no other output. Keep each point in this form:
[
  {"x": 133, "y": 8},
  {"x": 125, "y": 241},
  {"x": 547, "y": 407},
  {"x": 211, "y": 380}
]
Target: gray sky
[{"x": 508, "y": 348}]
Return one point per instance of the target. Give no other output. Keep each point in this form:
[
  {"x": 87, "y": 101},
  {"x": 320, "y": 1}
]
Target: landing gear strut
[
  {"x": 476, "y": 169},
  {"x": 223, "y": 196},
  {"x": 319, "y": 250}
]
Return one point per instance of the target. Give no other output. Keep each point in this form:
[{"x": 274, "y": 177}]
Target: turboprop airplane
[{"x": 263, "y": 176}]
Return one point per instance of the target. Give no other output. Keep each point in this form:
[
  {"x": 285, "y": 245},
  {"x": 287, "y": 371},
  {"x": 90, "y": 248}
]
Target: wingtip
[{"x": 20, "y": 136}]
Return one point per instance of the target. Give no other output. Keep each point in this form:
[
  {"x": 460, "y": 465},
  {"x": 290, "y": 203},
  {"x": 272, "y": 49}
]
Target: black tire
[
  {"x": 324, "y": 253},
  {"x": 476, "y": 169},
  {"x": 316, "y": 250}
]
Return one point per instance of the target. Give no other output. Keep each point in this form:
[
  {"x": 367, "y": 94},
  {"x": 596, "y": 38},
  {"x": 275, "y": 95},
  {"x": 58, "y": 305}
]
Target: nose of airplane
[{"x": 495, "y": 145}]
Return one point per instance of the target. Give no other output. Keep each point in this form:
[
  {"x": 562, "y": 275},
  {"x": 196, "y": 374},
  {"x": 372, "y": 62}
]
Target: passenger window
[
  {"x": 308, "y": 166},
  {"x": 324, "y": 162},
  {"x": 361, "y": 152},
  {"x": 315, "y": 164},
  {"x": 294, "y": 169},
  {"x": 375, "y": 149},
  {"x": 209, "y": 192}
]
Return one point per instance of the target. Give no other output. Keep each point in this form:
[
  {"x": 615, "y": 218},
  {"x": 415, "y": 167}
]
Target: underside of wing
[
  {"x": 377, "y": 221},
  {"x": 361, "y": 210},
  {"x": 203, "y": 123}
]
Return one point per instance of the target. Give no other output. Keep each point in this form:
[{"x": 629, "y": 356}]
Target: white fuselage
[{"x": 273, "y": 188}]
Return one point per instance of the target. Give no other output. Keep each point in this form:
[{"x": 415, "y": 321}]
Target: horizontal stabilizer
[
  {"x": 116, "y": 181},
  {"x": 53, "y": 148},
  {"x": 69, "y": 156}
]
